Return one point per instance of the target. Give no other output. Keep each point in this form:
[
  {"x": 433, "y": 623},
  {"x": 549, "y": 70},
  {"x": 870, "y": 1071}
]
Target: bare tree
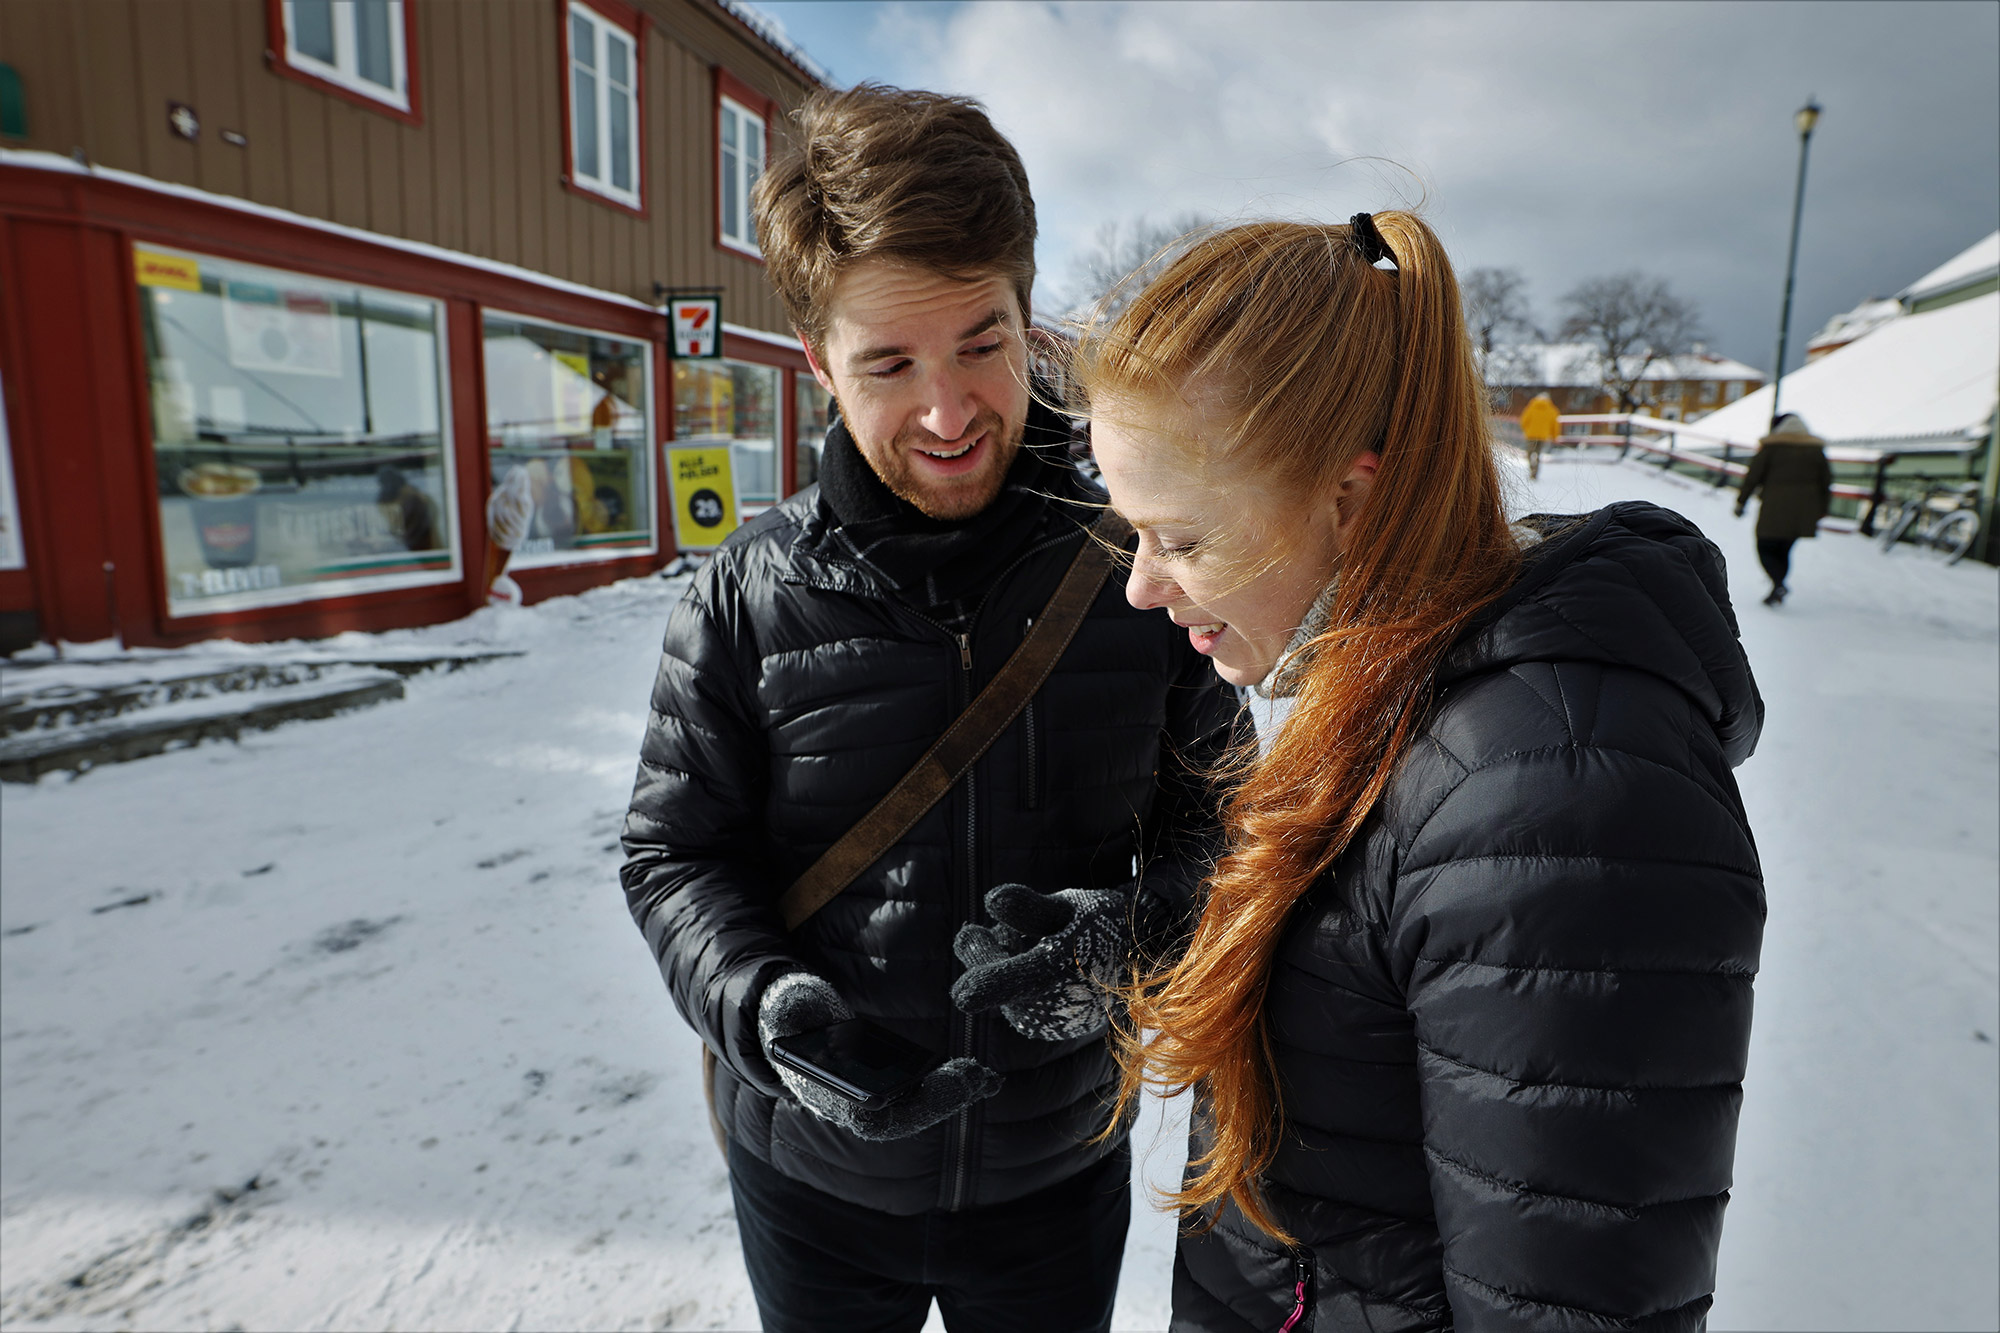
[
  {"x": 1137, "y": 250},
  {"x": 1629, "y": 321},
  {"x": 1496, "y": 308}
]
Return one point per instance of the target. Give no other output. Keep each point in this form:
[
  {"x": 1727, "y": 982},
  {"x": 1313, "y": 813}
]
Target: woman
[
  {"x": 1790, "y": 467},
  {"x": 1466, "y": 1010}
]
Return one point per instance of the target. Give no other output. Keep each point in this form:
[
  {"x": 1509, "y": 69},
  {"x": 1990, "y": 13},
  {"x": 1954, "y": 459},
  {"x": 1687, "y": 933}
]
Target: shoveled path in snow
[{"x": 381, "y": 1047}]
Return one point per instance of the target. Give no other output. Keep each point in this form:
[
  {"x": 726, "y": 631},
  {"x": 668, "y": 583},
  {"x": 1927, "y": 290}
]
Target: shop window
[
  {"x": 361, "y": 46},
  {"x": 742, "y": 157},
  {"x": 814, "y": 407},
  {"x": 573, "y": 410},
  {"x": 737, "y": 402},
  {"x": 603, "y": 106},
  {"x": 299, "y": 434}
]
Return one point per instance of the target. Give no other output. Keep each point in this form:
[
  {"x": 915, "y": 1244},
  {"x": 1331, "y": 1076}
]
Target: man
[{"x": 813, "y": 660}]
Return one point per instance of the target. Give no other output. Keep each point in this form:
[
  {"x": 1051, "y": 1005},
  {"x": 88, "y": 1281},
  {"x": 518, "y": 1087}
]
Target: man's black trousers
[
  {"x": 1775, "y": 555},
  {"x": 1047, "y": 1262}
]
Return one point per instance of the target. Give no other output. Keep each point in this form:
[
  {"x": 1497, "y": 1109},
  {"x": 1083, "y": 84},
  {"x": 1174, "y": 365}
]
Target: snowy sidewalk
[{"x": 345, "y": 1026}]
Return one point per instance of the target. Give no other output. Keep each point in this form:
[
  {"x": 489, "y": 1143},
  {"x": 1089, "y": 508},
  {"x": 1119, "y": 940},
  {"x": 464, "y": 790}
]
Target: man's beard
[{"x": 953, "y": 498}]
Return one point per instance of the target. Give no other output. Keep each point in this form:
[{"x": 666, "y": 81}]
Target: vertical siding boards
[
  {"x": 217, "y": 87},
  {"x": 114, "y": 103},
  {"x": 40, "y": 38},
  {"x": 347, "y": 161},
  {"x": 476, "y": 168},
  {"x": 493, "y": 47},
  {"x": 381, "y": 141},
  {"x": 263, "y": 110},
  {"x": 444, "y": 118},
  {"x": 159, "y": 34},
  {"x": 306, "y": 164},
  {"x": 414, "y": 159},
  {"x": 531, "y": 64}
]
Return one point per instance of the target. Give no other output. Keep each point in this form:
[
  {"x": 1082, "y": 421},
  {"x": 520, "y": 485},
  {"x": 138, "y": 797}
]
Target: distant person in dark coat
[
  {"x": 1791, "y": 470},
  {"x": 1468, "y": 1005}
]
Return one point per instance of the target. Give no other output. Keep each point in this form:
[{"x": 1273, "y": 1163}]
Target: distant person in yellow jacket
[{"x": 1540, "y": 424}]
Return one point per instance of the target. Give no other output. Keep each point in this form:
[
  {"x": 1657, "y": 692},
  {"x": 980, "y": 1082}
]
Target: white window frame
[
  {"x": 743, "y": 222},
  {"x": 341, "y": 73},
  {"x": 603, "y": 31},
  {"x": 573, "y": 556}
]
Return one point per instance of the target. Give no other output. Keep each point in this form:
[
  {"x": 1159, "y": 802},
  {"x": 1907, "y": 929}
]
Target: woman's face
[{"x": 1235, "y": 563}]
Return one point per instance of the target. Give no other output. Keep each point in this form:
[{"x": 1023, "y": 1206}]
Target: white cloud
[{"x": 1569, "y": 140}]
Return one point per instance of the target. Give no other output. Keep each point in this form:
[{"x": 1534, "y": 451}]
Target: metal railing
[{"x": 1692, "y": 449}]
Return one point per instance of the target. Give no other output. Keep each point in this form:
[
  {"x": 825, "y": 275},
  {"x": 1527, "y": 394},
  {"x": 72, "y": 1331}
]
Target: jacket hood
[{"x": 1632, "y": 585}]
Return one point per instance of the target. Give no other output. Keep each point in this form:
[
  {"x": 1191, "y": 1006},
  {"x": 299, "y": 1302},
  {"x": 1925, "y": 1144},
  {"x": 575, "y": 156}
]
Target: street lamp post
[{"x": 1806, "y": 117}]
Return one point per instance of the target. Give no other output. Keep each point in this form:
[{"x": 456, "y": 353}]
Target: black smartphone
[{"x": 855, "y": 1058}]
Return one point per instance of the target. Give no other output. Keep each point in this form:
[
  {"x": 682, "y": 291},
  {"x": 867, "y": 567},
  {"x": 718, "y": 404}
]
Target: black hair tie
[{"x": 1368, "y": 241}]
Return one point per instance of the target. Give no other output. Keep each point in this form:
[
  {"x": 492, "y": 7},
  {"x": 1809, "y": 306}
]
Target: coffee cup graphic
[{"x": 225, "y": 512}]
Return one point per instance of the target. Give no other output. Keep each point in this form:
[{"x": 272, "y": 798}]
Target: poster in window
[{"x": 289, "y": 332}]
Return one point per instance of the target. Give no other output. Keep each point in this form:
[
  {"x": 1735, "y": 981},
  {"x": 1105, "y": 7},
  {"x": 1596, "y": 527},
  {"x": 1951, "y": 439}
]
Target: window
[
  {"x": 573, "y": 410},
  {"x": 1732, "y": 391},
  {"x": 299, "y": 434},
  {"x": 814, "y": 407},
  {"x": 603, "y": 106},
  {"x": 737, "y": 402},
  {"x": 360, "y": 46},
  {"x": 742, "y": 156}
]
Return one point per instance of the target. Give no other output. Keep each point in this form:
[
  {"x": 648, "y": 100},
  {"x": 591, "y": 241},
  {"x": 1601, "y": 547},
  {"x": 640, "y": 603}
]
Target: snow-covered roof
[
  {"x": 1930, "y": 376},
  {"x": 1975, "y": 263},
  {"x": 1577, "y": 365},
  {"x": 1845, "y": 327},
  {"x": 771, "y": 30}
]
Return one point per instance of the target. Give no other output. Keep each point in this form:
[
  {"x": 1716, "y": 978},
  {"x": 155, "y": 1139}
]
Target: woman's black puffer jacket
[{"x": 1510, "y": 1025}]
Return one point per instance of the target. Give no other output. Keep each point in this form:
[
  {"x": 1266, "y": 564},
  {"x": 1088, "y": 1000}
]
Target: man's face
[{"x": 931, "y": 376}]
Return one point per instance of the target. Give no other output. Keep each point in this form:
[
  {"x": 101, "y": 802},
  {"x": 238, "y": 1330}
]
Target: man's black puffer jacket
[
  {"x": 1510, "y": 1024},
  {"x": 796, "y": 686}
]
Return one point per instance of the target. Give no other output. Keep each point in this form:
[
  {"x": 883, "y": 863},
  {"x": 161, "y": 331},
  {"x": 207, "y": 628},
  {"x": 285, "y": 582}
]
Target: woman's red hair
[{"x": 1303, "y": 357}]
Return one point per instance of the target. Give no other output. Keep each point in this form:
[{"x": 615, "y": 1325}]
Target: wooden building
[
  {"x": 288, "y": 286},
  {"x": 1673, "y": 388}
]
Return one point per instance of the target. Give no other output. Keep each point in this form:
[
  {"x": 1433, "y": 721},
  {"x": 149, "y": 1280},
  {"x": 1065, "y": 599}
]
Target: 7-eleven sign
[{"x": 697, "y": 327}]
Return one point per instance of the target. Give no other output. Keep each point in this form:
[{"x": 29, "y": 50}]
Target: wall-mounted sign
[
  {"x": 697, "y": 324},
  {"x": 703, "y": 486},
  {"x": 154, "y": 269}
]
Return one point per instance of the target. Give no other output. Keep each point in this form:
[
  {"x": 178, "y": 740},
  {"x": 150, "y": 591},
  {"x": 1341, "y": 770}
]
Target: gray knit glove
[
  {"x": 1051, "y": 962},
  {"x": 800, "y": 1002}
]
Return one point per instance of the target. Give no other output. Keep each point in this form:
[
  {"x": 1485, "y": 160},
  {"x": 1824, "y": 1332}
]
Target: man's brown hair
[{"x": 875, "y": 172}]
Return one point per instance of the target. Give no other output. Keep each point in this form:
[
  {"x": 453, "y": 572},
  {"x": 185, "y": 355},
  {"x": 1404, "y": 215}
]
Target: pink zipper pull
[{"x": 1299, "y": 1297}]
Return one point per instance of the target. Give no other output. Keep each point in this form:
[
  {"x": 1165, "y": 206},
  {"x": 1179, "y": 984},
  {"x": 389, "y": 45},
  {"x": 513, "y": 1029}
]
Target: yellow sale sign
[{"x": 704, "y": 493}]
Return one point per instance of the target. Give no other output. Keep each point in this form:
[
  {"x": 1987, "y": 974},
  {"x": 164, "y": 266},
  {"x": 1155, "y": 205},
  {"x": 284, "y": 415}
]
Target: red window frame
[
  {"x": 741, "y": 93},
  {"x": 277, "y": 57},
  {"x": 634, "y": 21}
]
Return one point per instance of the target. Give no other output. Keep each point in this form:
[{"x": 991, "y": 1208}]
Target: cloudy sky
[{"x": 1568, "y": 140}]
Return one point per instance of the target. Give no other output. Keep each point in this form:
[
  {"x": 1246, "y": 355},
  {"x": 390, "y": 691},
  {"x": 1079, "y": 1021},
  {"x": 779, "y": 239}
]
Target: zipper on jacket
[
  {"x": 1301, "y": 1293},
  {"x": 961, "y": 1151},
  {"x": 958, "y": 1143},
  {"x": 1031, "y": 777}
]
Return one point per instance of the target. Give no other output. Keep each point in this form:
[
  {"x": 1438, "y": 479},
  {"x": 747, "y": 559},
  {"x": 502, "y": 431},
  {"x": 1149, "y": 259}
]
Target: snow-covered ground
[{"x": 372, "y": 1042}]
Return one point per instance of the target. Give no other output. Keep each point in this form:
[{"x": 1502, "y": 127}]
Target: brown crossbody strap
[{"x": 969, "y": 736}]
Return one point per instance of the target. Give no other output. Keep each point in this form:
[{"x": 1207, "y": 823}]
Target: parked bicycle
[{"x": 1944, "y": 523}]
